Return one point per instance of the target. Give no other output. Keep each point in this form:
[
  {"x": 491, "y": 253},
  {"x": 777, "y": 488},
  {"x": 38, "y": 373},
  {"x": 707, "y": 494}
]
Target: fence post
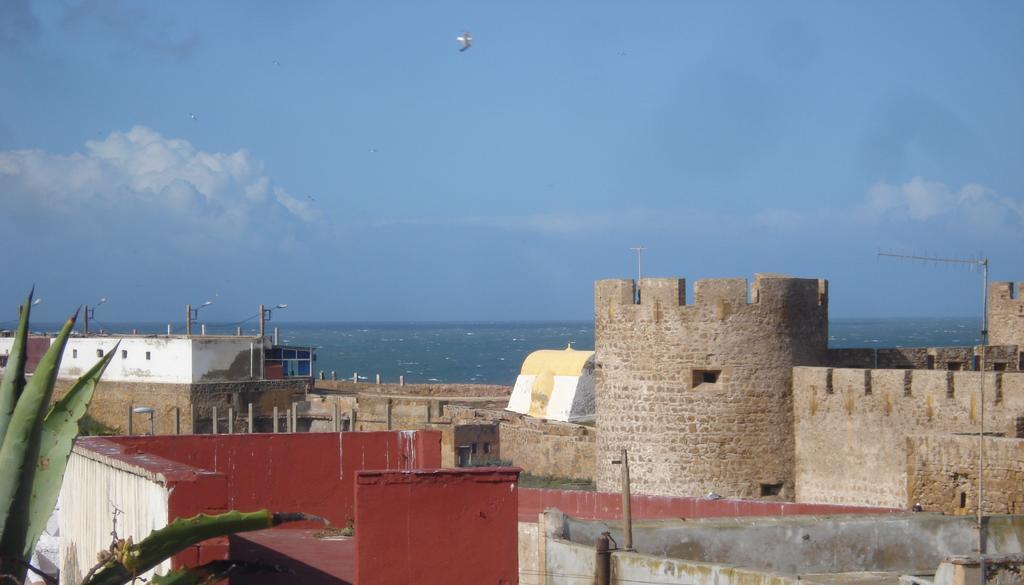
[
  {"x": 378, "y": 379},
  {"x": 214, "y": 419},
  {"x": 401, "y": 380},
  {"x": 130, "y": 421},
  {"x": 231, "y": 420},
  {"x": 355, "y": 377},
  {"x": 192, "y": 417},
  {"x": 334, "y": 418},
  {"x": 177, "y": 420},
  {"x": 250, "y": 418},
  {"x": 295, "y": 417},
  {"x": 352, "y": 419},
  {"x": 387, "y": 412},
  {"x": 275, "y": 419}
]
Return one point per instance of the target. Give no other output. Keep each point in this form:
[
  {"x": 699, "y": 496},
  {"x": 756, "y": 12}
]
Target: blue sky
[{"x": 345, "y": 158}]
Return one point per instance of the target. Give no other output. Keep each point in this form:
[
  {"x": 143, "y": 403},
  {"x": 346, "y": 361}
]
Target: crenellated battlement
[
  {"x": 771, "y": 290},
  {"x": 1006, "y": 313}
]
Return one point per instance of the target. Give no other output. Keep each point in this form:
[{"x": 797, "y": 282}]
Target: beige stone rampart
[
  {"x": 687, "y": 435},
  {"x": 550, "y": 449},
  {"x": 851, "y": 425},
  {"x": 1006, "y": 314},
  {"x": 942, "y": 474}
]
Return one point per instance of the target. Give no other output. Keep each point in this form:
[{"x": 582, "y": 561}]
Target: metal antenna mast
[
  {"x": 639, "y": 250},
  {"x": 983, "y": 264}
]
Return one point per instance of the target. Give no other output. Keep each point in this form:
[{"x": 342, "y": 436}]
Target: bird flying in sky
[{"x": 466, "y": 41}]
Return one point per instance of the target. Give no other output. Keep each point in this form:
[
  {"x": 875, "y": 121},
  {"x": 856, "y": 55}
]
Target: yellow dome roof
[{"x": 564, "y": 362}]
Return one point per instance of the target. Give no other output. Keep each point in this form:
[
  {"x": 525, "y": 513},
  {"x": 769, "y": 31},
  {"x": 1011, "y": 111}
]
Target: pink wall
[{"x": 441, "y": 526}]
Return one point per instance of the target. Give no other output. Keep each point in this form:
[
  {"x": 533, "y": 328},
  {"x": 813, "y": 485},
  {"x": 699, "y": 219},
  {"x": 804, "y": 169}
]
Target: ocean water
[{"x": 492, "y": 352}]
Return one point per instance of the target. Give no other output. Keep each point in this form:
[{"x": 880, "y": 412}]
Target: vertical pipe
[
  {"x": 277, "y": 336},
  {"x": 130, "y": 408},
  {"x": 251, "y": 426},
  {"x": 214, "y": 419},
  {"x": 262, "y": 322},
  {"x": 177, "y": 420},
  {"x": 378, "y": 379},
  {"x": 352, "y": 418},
  {"x": 334, "y": 419},
  {"x": 401, "y": 380},
  {"x": 168, "y": 329},
  {"x": 387, "y": 412},
  {"x": 238, "y": 331},
  {"x": 275, "y": 419},
  {"x": 188, "y": 319},
  {"x": 602, "y": 561},
  {"x": 202, "y": 329},
  {"x": 627, "y": 513},
  {"x": 231, "y": 421},
  {"x": 192, "y": 417},
  {"x": 295, "y": 417}
]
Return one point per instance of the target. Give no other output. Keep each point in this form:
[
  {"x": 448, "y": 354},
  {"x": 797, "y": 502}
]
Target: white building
[{"x": 556, "y": 385}]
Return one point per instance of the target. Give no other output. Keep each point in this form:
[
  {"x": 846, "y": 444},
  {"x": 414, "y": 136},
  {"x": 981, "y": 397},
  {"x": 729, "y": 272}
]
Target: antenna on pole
[
  {"x": 639, "y": 250},
  {"x": 983, "y": 264}
]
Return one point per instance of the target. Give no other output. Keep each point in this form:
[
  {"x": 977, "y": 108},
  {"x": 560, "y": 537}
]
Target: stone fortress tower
[
  {"x": 1006, "y": 314},
  {"x": 701, "y": 394}
]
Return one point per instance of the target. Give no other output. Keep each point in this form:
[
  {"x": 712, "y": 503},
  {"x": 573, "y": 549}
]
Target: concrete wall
[
  {"x": 93, "y": 486},
  {"x": 852, "y": 425},
  {"x": 904, "y": 543},
  {"x": 942, "y": 474},
  {"x": 685, "y": 437},
  {"x": 437, "y": 526},
  {"x": 1006, "y": 313}
]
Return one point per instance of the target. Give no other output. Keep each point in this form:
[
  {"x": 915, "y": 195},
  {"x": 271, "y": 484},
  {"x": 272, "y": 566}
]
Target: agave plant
[{"x": 36, "y": 444}]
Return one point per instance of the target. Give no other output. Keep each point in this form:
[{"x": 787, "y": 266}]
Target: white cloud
[
  {"x": 142, "y": 170},
  {"x": 921, "y": 200}
]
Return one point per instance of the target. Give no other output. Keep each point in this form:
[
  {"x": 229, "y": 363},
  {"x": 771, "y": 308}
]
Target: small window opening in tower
[
  {"x": 999, "y": 366},
  {"x": 705, "y": 377},
  {"x": 771, "y": 489},
  {"x": 963, "y": 500},
  {"x": 147, "y": 355},
  {"x": 930, "y": 362},
  {"x": 954, "y": 366}
]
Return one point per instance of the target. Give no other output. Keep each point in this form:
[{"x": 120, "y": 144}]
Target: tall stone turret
[
  {"x": 701, "y": 394},
  {"x": 1005, "y": 314}
]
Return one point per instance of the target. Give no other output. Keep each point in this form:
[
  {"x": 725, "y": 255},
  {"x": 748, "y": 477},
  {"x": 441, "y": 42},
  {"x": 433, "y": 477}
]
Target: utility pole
[
  {"x": 639, "y": 250},
  {"x": 983, "y": 264}
]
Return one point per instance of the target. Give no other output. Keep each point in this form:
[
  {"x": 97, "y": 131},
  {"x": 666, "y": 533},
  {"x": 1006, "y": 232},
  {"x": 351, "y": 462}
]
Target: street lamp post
[
  {"x": 193, "y": 315},
  {"x": 265, "y": 315},
  {"x": 90, "y": 313}
]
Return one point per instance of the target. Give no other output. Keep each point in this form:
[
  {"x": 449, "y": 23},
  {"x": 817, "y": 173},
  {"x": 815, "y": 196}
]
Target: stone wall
[
  {"x": 112, "y": 402},
  {"x": 549, "y": 448},
  {"x": 852, "y": 425},
  {"x": 465, "y": 390},
  {"x": 997, "y": 357},
  {"x": 1006, "y": 314},
  {"x": 700, "y": 394},
  {"x": 942, "y": 474}
]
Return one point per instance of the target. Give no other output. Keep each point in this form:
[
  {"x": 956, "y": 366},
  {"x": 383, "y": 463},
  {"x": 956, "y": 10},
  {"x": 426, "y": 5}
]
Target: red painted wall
[
  {"x": 603, "y": 505},
  {"x": 441, "y": 526},
  {"x": 288, "y": 472}
]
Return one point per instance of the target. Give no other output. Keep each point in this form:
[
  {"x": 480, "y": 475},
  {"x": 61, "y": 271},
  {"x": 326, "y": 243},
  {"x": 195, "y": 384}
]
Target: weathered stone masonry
[{"x": 701, "y": 394}]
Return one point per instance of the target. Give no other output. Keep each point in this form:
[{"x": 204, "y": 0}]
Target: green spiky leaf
[
  {"x": 20, "y": 452},
  {"x": 14, "y": 375},
  {"x": 213, "y": 572},
  {"x": 60, "y": 427},
  {"x": 162, "y": 544}
]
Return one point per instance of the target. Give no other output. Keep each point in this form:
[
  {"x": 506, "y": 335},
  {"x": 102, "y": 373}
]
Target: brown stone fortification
[
  {"x": 1006, "y": 314},
  {"x": 700, "y": 394},
  {"x": 852, "y": 425},
  {"x": 942, "y": 474}
]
